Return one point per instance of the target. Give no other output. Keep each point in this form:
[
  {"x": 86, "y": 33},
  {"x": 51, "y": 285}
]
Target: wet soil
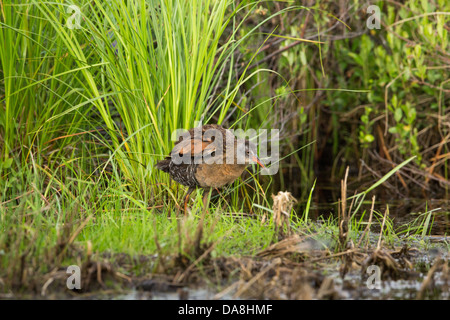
[
  {"x": 314, "y": 266},
  {"x": 297, "y": 267}
]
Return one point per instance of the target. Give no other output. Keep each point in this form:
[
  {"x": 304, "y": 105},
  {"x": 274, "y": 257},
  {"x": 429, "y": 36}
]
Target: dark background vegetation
[{"x": 404, "y": 66}]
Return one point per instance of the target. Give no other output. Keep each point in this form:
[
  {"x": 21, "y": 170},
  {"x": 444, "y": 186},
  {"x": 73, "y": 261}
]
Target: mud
[{"x": 297, "y": 267}]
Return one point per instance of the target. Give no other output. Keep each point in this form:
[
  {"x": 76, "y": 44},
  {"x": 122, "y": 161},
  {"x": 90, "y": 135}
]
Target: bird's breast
[{"x": 218, "y": 175}]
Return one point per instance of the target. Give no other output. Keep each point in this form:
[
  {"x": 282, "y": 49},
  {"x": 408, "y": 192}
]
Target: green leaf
[
  {"x": 368, "y": 138},
  {"x": 440, "y": 25},
  {"x": 357, "y": 58},
  {"x": 394, "y": 101},
  {"x": 392, "y": 130},
  {"x": 6, "y": 164},
  {"x": 418, "y": 50},
  {"x": 303, "y": 57},
  {"x": 398, "y": 114}
]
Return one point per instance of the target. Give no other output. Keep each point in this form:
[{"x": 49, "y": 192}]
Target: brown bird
[{"x": 209, "y": 156}]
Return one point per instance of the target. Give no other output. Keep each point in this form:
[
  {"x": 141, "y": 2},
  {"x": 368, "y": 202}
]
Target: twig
[
  {"x": 368, "y": 224},
  {"x": 382, "y": 226},
  {"x": 244, "y": 288}
]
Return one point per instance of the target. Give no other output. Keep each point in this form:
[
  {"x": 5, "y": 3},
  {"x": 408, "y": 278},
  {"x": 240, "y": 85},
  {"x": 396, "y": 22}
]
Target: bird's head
[{"x": 246, "y": 153}]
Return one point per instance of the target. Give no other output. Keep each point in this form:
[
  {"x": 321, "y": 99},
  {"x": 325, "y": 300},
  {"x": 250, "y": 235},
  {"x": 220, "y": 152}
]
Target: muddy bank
[{"x": 297, "y": 267}]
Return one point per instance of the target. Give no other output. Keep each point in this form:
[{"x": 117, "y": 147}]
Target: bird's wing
[
  {"x": 193, "y": 147},
  {"x": 195, "y": 144}
]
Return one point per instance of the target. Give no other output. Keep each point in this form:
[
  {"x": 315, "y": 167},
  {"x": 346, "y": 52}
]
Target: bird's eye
[{"x": 213, "y": 154}]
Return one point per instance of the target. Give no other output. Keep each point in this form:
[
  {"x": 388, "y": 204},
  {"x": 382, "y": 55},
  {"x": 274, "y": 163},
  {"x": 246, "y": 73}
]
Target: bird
[{"x": 208, "y": 156}]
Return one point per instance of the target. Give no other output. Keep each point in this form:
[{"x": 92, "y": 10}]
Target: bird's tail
[{"x": 163, "y": 165}]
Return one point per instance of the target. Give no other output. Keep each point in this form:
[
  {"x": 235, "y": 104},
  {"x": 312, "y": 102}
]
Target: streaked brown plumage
[{"x": 197, "y": 173}]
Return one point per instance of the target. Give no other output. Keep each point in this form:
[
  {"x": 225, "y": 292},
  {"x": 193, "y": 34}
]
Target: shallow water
[{"x": 354, "y": 285}]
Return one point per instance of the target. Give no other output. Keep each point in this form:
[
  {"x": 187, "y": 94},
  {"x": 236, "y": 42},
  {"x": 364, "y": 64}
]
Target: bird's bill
[{"x": 256, "y": 159}]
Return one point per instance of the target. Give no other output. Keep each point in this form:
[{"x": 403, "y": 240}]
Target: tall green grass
[
  {"x": 39, "y": 81},
  {"x": 86, "y": 112},
  {"x": 162, "y": 65}
]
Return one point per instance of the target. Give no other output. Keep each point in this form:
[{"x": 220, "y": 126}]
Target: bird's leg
[
  {"x": 220, "y": 194},
  {"x": 205, "y": 198},
  {"x": 186, "y": 198}
]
